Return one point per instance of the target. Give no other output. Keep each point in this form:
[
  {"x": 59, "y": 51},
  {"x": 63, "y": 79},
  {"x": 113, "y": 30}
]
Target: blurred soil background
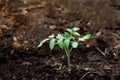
[{"x": 24, "y": 23}]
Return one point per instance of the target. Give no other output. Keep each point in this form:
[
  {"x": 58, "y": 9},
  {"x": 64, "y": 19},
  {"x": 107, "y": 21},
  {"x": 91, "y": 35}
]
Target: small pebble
[
  {"x": 53, "y": 27},
  {"x": 26, "y": 63}
]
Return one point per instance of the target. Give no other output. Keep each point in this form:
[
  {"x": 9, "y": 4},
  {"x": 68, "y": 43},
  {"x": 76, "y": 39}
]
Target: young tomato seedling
[{"x": 66, "y": 42}]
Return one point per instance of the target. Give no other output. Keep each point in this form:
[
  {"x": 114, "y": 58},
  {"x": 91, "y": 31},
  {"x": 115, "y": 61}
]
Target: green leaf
[
  {"x": 67, "y": 43},
  {"x": 75, "y": 44},
  {"x": 75, "y": 29},
  {"x": 67, "y": 35},
  {"x": 69, "y": 30},
  {"x": 87, "y": 36},
  {"x": 60, "y": 43},
  {"x": 72, "y": 38},
  {"x": 59, "y": 36},
  {"x": 76, "y": 33},
  {"x": 51, "y": 36},
  {"x": 42, "y": 42},
  {"x": 52, "y": 43}
]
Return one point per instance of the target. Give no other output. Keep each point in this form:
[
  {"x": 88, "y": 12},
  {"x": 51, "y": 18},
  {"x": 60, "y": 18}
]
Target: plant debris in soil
[{"x": 24, "y": 23}]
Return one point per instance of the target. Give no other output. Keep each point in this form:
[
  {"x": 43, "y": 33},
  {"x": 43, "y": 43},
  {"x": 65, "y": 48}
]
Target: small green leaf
[
  {"x": 51, "y": 36},
  {"x": 60, "y": 43},
  {"x": 72, "y": 38},
  {"x": 42, "y": 42},
  {"x": 76, "y": 33},
  {"x": 67, "y": 35},
  {"x": 59, "y": 36},
  {"x": 87, "y": 36},
  {"x": 75, "y": 29},
  {"x": 75, "y": 44},
  {"x": 67, "y": 43},
  {"x": 69, "y": 30},
  {"x": 52, "y": 43}
]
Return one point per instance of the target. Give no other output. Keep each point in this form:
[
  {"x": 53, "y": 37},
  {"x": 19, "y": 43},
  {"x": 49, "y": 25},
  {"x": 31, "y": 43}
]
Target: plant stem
[
  {"x": 69, "y": 66},
  {"x": 67, "y": 51}
]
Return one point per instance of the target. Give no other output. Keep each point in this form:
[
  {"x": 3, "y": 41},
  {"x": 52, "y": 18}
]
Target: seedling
[{"x": 67, "y": 41}]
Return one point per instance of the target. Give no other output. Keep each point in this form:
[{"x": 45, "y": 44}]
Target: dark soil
[{"x": 24, "y": 23}]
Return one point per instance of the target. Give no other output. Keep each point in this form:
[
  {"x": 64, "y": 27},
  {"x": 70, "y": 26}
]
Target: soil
[{"x": 24, "y": 23}]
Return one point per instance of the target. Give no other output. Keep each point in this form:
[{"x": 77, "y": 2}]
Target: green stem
[
  {"x": 69, "y": 66},
  {"x": 70, "y": 50},
  {"x": 67, "y": 51}
]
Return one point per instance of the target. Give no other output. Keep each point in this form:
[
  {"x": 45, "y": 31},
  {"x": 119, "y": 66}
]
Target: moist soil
[{"x": 24, "y": 23}]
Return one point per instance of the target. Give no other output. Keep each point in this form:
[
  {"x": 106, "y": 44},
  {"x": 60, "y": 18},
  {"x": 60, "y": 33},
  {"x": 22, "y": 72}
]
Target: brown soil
[{"x": 24, "y": 23}]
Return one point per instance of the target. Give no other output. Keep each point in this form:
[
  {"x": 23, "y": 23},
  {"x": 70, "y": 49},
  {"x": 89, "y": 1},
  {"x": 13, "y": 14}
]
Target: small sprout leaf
[
  {"x": 72, "y": 38},
  {"x": 42, "y": 42},
  {"x": 59, "y": 36},
  {"x": 69, "y": 30},
  {"x": 67, "y": 35},
  {"x": 75, "y": 44},
  {"x": 60, "y": 43},
  {"x": 87, "y": 36},
  {"x": 75, "y": 29},
  {"x": 76, "y": 33},
  {"x": 52, "y": 43},
  {"x": 66, "y": 43},
  {"x": 51, "y": 36}
]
